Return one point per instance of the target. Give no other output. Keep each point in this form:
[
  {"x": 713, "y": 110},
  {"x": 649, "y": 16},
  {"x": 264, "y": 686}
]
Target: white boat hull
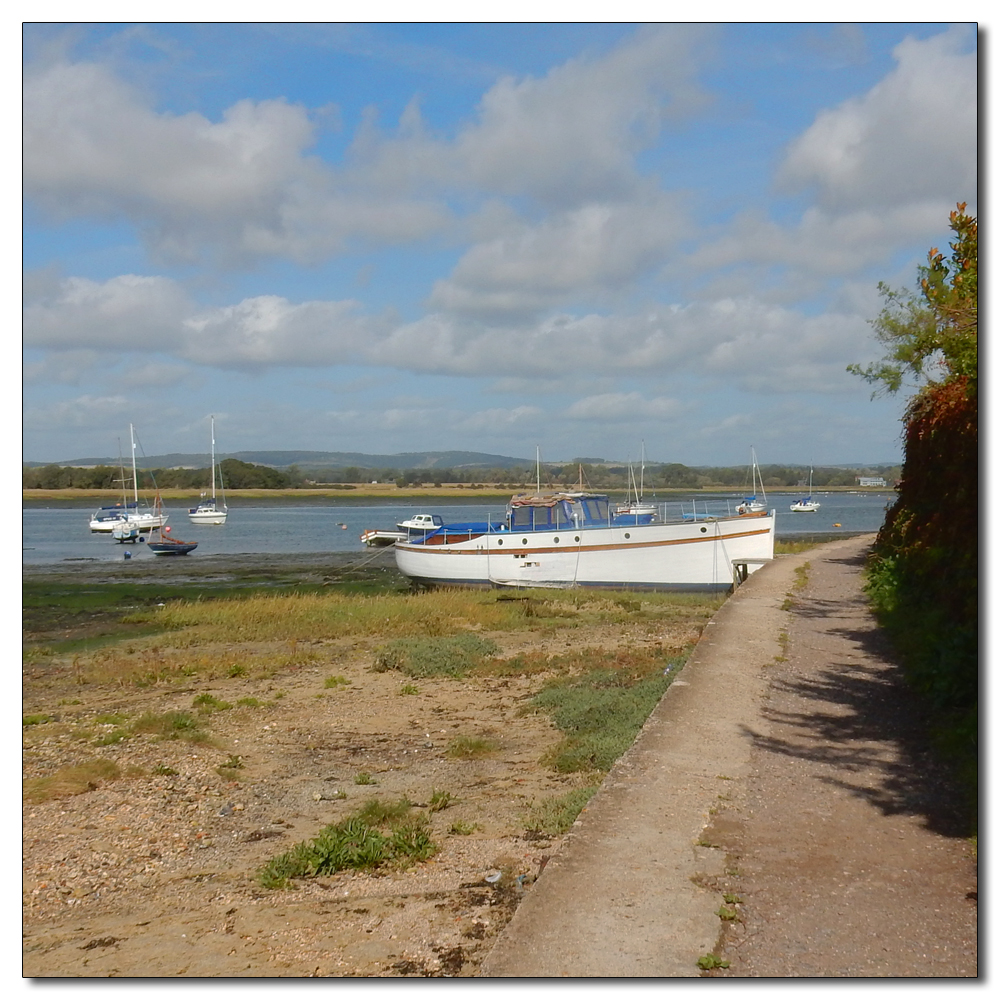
[
  {"x": 140, "y": 521},
  {"x": 208, "y": 515},
  {"x": 704, "y": 554}
]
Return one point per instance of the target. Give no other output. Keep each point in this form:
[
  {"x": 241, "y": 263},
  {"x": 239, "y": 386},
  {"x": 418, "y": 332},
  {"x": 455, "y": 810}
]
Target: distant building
[{"x": 871, "y": 481}]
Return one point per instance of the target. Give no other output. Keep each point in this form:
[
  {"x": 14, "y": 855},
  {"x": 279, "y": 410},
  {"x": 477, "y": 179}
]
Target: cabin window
[
  {"x": 520, "y": 517},
  {"x": 541, "y": 521}
]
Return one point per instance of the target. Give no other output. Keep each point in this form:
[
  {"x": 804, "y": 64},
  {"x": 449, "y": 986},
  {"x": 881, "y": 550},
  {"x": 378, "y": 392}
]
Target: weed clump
[
  {"x": 72, "y": 780},
  {"x": 557, "y": 814},
  {"x": 379, "y": 834},
  {"x": 170, "y": 726},
  {"x": 439, "y": 656},
  {"x": 472, "y": 747}
]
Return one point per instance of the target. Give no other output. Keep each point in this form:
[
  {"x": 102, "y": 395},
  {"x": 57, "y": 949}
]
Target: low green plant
[
  {"x": 236, "y": 670},
  {"x": 72, "y": 780},
  {"x": 726, "y": 913},
  {"x": 248, "y": 703},
  {"x": 556, "y": 814},
  {"x": 333, "y": 682},
  {"x": 35, "y": 720},
  {"x": 462, "y": 829},
  {"x": 731, "y": 897},
  {"x": 711, "y": 961},
  {"x": 601, "y": 711},
  {"x": 440, "y": 800},
  {"x": 170, "y": 726},
  {"x": 353, "y": 843},
  {"x": 109, "y": 739},
  {"x": 470, "y": 747},
  {"x": 162, "y": 769},
  {"x": 375, "y": 812},
  {"x": 363, "y": 778},
  {"x": 208, "y": 703},
  {"x": 409, "y": 689},
  {"x": 437, "y": 656}
]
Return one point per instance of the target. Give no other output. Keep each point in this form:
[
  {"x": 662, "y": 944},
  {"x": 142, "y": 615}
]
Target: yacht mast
[
  {"x": 135, "y": 478},
  {"x": 213, "y": 458}
]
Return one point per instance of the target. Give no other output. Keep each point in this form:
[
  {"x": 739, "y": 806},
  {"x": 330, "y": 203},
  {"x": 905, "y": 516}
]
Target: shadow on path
[{"x": 846, "y": 708}]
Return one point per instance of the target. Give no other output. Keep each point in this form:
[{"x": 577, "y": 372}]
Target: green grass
[
  {"x": 443, "y": 656},
  {"x": 35, "y": 720},
  {"x": 440, "y": 800},
  {"x": 334, "y": 682},
  {"x": 364, "y": 778},
  {"x": 555, "y": 815},
  {"x": 208, "y": 703},
  {"x": 73, "y": 780},
  {"x": 602, "y": 710},
  {"x": 170, "y": 726},
  {"x": 472, "y": 747},
  {"x": 378, "y": 835}
]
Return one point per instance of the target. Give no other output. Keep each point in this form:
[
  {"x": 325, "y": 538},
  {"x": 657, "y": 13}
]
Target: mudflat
[{"x": 149, "y": 867}]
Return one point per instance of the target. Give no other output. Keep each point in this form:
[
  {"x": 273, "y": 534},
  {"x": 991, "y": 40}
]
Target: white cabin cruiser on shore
[{"x": 573, "y": 540}]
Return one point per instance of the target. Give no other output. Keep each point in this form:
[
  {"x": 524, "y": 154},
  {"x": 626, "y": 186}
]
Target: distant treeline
[{"x": 239, "y": 475}]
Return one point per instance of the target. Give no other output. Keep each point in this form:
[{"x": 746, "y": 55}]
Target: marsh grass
[
  {"x": 132, "y": 665},
  {"x": 557, "y": 814},
  {"x": 472, "y": 747},
  {"x": 170, "y": 726},
  {"x": 601, "y": 710},
  {"x": 441, "y": 656},
  {"x": 72, "y": 780}
]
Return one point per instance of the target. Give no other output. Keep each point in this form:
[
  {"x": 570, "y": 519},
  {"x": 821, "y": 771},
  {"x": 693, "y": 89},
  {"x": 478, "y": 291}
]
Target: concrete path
[{"x": 635, "y": 890}]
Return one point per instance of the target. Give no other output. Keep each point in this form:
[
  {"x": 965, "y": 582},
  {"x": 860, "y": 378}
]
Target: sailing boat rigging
[
  {"x": 750, "y": 504},
  {"x": 210, "y": 511},
  {"x": 636, "y": 510}
]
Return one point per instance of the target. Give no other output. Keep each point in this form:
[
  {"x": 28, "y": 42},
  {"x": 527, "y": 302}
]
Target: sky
[{"x": 586, "y": 238}]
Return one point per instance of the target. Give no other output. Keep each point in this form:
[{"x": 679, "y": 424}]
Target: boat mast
[
  {"x": 135, "y": 478},
  {"x": 642, "y": 469},
  {"x": 538, "y": 470},
  {"x": 213, "y": 458}
]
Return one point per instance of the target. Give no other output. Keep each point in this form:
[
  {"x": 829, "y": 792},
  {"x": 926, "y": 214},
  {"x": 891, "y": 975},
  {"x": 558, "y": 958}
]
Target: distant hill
[{"x": 317, "y": 460}]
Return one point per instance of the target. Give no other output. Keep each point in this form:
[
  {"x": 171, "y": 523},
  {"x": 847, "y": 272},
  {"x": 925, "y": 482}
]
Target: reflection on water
[{"x": 57, "y": 534}]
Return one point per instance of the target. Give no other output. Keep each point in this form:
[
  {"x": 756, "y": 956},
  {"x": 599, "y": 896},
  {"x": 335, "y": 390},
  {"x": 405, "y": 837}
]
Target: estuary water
[{"x": 61, "y": 534}]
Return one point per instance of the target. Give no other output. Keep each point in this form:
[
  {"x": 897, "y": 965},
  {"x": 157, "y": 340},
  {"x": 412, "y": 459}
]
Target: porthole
[
  {"x": 627, "y": 535},
  {"x": 524, "y": 541},
  {"x": 499, "y": 541},
  {"x": 556, "y": 539},
  {"x": 576, "y": 538},
  {"x": 704, "y": 530}
]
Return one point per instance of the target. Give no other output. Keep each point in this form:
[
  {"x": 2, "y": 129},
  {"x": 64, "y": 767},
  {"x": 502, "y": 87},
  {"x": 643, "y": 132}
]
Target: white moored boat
[
  {"x": 123, "y": 520},
  {"x": 210, "y": 511},
  {"x": 572, "y": 540},
  {"x": 806, "y": 505}
]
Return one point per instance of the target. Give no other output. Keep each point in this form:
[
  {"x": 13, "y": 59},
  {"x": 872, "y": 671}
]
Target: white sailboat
[
  {"x": 751, "y": 503},
  {"x": 636, "y": 510},
  {"x": 806, "y": 505},
  {"x": 210, "y": 511},
  {"x": 122, "y": 520}
]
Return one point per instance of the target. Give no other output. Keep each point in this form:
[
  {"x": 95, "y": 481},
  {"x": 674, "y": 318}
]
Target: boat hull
[
  {"x": 698, "y": 555},
  {"x": 207, "y": 515},
  {"x": 172, "y": 548}
]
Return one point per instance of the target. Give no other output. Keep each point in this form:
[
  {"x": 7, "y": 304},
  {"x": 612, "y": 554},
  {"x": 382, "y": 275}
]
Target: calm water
[{"x": 52, "y": 535}]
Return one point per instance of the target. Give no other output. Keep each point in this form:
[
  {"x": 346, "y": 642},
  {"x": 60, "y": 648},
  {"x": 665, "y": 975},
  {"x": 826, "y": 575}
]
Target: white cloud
[
  {"x": 594, "y": 249},
  {"x": 571, "y": 136},
  {"x": 911, "y": 138},
  {"x": 268, "y": 330},
  {"x": 242, "y": 187},
  {"x": 124, "y": 314},
  {"x": 616, "y": 406}
]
